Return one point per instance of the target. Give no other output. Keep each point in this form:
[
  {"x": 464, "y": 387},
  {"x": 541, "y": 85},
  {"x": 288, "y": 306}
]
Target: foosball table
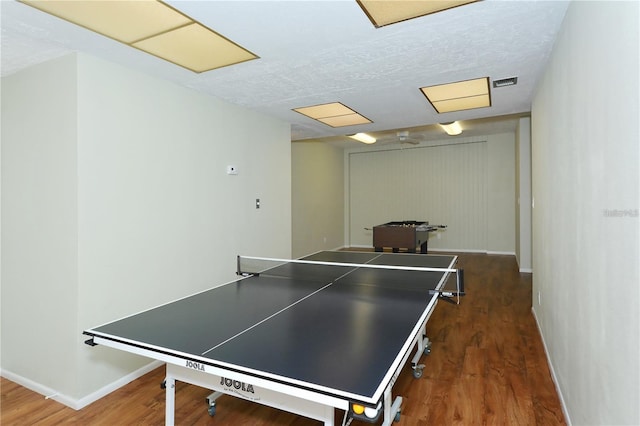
[{"x": 408, "y": 234}]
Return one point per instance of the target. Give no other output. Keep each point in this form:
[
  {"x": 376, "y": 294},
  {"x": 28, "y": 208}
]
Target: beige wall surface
[
  {"x": 317, "y": 190},
  {"x": 523, "y": 194},
  {"x": 115, "y": 198},
  {"x": 585, "y": 156},
  {"x": 501, "y": 193}
]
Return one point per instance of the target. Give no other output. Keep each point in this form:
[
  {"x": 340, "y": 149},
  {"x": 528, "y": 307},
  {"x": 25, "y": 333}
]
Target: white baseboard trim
[
  {"x": 106, "y": 390},
  {"x": 487, "y": 252},
  {"x": 43, "y": 390},
  {"x": 526, "y": 270},
  {"x": 78, "y": 404},
  {"x": 554, "y": 377},
  {"x": 447, "y": 250},
  {"x": 502, "y": 253}
]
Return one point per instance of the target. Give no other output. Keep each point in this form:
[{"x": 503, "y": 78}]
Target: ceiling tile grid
[{"x": 315, "y": 52}]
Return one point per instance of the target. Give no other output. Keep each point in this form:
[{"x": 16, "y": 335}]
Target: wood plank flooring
[{"x": 487, "y": 367}]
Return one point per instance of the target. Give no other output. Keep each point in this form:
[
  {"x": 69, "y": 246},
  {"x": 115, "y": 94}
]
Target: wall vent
[{"x": 511, "y": 81}]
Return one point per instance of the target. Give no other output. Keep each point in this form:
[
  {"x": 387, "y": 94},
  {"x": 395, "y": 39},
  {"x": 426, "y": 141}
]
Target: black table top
[{"x": 328, "y": 327}]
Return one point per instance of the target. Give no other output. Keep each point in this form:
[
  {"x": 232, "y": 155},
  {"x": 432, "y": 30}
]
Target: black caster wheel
[{"x": 212, "y": 410}]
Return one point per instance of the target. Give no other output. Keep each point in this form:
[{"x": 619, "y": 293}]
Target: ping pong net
[{"x": 436, "y": 280}]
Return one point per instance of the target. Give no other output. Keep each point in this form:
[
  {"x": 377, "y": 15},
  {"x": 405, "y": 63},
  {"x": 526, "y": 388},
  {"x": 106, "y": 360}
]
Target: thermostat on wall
[{"x": 232, "y": 170}]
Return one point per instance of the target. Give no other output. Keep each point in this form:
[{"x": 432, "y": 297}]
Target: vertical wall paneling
[{"x": 444, "y": 184}]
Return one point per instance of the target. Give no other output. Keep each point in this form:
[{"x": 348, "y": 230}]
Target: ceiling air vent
[{"x": 511, "y": 81}]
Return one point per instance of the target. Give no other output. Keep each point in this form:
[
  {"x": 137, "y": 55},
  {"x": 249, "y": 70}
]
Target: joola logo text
[
  {"x": 236, "y": 384},
  {"x": 195, "y": 365}
]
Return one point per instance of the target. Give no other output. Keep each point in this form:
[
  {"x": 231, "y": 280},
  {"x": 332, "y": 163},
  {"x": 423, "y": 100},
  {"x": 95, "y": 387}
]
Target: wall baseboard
[
  {"x": 450, "y": 250},
  {"x": 554, "y": 377},
  {"x": 502, "y": 253},
  {"x": 78, "y": 404},
  {"x": 43, "y": 390}
]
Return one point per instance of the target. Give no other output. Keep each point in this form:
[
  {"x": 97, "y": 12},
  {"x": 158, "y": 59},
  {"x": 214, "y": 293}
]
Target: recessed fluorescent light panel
[
  {"x": 334, "y": 114},
  {"x": 459, "y": 96},
  {"x": 387, "y": 12},
  {"x": 153, "y": 27},
  {"x": 364, "y": 138}
]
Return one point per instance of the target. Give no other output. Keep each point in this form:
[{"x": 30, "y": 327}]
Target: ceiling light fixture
[
  {"x": 387, "y": 12},
  {"x": 459, "y": 96},
  {"x": 153, "y": 27},
  {"x": 452, "y": 129},
  {"x": 333, "y": 114},
  {"x": 364, "y": 138}
]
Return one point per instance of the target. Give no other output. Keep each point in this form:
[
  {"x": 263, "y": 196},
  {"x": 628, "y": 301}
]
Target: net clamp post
[
  {"x": 448, "y": 296},
  {"x": 442, "y": 293}
]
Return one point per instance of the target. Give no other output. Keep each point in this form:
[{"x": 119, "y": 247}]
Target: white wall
[
  {"x": 467, "y": 183},
  {"x": 39, "y": 224},
  {"x": 139, "y": 187},
  {"x": 317, "y": 182},
  {"x": 585, "y": 221}
]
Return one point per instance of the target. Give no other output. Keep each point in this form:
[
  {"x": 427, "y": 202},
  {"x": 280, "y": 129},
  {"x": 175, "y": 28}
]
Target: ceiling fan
[{"x": 403, "y": 137}]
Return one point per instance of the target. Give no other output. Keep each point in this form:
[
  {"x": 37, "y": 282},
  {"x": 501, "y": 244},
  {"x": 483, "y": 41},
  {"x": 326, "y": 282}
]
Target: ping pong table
[{"x": 330, "y": 330}]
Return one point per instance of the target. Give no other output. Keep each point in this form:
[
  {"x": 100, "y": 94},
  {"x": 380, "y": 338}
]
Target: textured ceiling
[{"x": 321, "y": 51}]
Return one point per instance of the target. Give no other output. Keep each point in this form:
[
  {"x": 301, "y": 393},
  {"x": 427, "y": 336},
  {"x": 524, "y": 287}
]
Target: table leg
[
  {"x": 391, "y": 408},
  {"x": 423, "y": 248},
  {"x": 170, "y": 401}
]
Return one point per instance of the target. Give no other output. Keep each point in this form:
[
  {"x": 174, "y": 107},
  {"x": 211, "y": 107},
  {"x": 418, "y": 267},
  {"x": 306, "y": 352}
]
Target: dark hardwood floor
[{"x": 487, "y": 367}]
